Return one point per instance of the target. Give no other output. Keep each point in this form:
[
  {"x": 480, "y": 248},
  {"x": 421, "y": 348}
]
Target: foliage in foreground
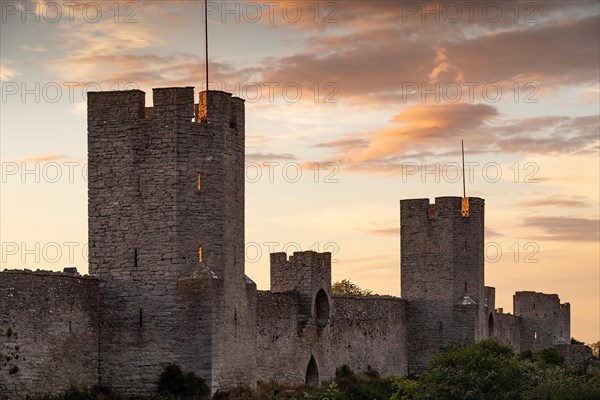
[{"x": 490, "y": 370}]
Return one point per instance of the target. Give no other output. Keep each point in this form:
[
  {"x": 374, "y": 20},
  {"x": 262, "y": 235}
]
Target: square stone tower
[
  {"x": 166, "y": 237},
  {"x": 545, "y": 321},
  {"x": 442, "y": 274}
]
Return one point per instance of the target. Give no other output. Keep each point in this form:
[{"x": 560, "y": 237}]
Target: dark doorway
[{"x": 312, "y": 373}]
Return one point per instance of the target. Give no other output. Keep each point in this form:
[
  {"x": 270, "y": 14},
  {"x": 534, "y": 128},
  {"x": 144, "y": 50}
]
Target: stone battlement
[
  {"x": 303, "y": 271},
  {"x": 41, "y": 272},
  {"x": 174, "y": 103},
  {"x": 449, "y": 207}
]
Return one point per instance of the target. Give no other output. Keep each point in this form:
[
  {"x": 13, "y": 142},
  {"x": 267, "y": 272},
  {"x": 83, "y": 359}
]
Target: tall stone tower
[
  {"x": 442, "y": 271},
  {"x": 166, "y": 237}
]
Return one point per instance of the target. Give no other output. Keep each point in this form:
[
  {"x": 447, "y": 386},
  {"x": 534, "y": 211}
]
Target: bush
[
  {"x": 175, "y": 384},
  {"x": 480, "y": 371},
  {"x": 367, "y": 385},
  {"x": 344, "y": 372},
  {"x": 332, "y": 392},
  {"x": 404, "y": 388},
  {"x": 550, "y": 357},
  {"x": 557, "y": 384}
]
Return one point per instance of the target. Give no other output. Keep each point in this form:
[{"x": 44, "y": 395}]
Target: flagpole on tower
[
  {"x": 462, "y": 144},
  {"x": 206, "y": 40}
]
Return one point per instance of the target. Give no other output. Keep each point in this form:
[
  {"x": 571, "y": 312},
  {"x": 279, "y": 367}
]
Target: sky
[{"x": 351, "y": 106}]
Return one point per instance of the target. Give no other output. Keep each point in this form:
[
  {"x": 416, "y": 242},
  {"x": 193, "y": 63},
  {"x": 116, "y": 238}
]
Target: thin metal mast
[
  {"x": 462, "y": 144},
  {"x": 206, "y": 39}
]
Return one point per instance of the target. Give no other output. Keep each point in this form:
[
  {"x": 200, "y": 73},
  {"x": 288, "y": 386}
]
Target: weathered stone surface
[
  {"x": 48, "y": 332},
  {"x": 166, "y": 251},
  {"x": 442, "y": 275},
  {"x": 164, "y": 189},
  {"x": 544, "y": 320},
  {"x": 299, "y": 320}
]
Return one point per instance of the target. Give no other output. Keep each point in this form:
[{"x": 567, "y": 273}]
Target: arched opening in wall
[
  {"x": 321, "y": 310},
  {"x": 491, "y": 325},
  {"x": 312, "y": 373}
]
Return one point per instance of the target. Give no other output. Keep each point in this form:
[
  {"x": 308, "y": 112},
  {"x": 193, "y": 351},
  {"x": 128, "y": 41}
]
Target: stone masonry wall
[
  {"x": 166, "y": 237},
  {"x": 48, "y": 333},
  {"x": 363, "y": 332},
  {"x": 442, "y": 275},
  {"x": 507, "y": 330},
  {"x": 576, "y": 356},
  {"x": 544, "y": 321},
  {"x": 370, "y": 331},
  {"x": 305, "y": 333}
]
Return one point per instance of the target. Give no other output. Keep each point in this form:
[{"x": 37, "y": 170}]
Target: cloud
[
  {"x": 146, "y": 71},
  {"x": 346, "y": 143},
  {"x": 556, "y": 200},
  {"x": 490, "y": 233},
  {"x": 550, "y": 135},
  {"x": 562, "y": 52},
  {"x": 43, "y": 158},
  {"x": 38, "y": 48},
  {"x": 413, "y": 134},
  {"x": 384, "y": 228},
  {"x": 570, "y": 229},
  {"x": 6, "y": 72},
  {"x": 269, "y": 156},
  {"x": 257, "y": 139},
  {"x": 420, "y": 132},
  {"x": 395, "y": 232},
  {"x": 560, "y": 49}
]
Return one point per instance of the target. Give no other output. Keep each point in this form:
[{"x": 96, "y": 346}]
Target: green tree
[
  {"x": 480, "y": 371},
  {"x": 595, "y": 349},
  {"x": 556, "y": 383},
  {"x": 347, "y": 287}
]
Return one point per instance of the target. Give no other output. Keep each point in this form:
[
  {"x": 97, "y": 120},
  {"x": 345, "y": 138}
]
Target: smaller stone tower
[
  {"x": 442, "y": 272},
  {"x": 545, "y": 322},
  {"x": 309, "y": 274}
]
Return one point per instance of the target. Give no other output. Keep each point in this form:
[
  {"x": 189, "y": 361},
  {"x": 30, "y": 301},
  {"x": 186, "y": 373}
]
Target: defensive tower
[
  {"x": 442, "y": 274},
  {"x": 166, "y": 237}
]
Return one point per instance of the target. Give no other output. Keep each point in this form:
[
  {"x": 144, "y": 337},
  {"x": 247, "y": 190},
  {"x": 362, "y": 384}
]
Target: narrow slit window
[
  {"x": 535, "y": 335},
  {"x": 139, "y": 184},
  {"x": 200, "y": 253},
  {"x": 70, "y": 328},
  {"x": 141, "y": 317},
  {"x": 465, "y": 286},
  {"x": 135, "y": 258},
  {"x": 199, "y": 183}
]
